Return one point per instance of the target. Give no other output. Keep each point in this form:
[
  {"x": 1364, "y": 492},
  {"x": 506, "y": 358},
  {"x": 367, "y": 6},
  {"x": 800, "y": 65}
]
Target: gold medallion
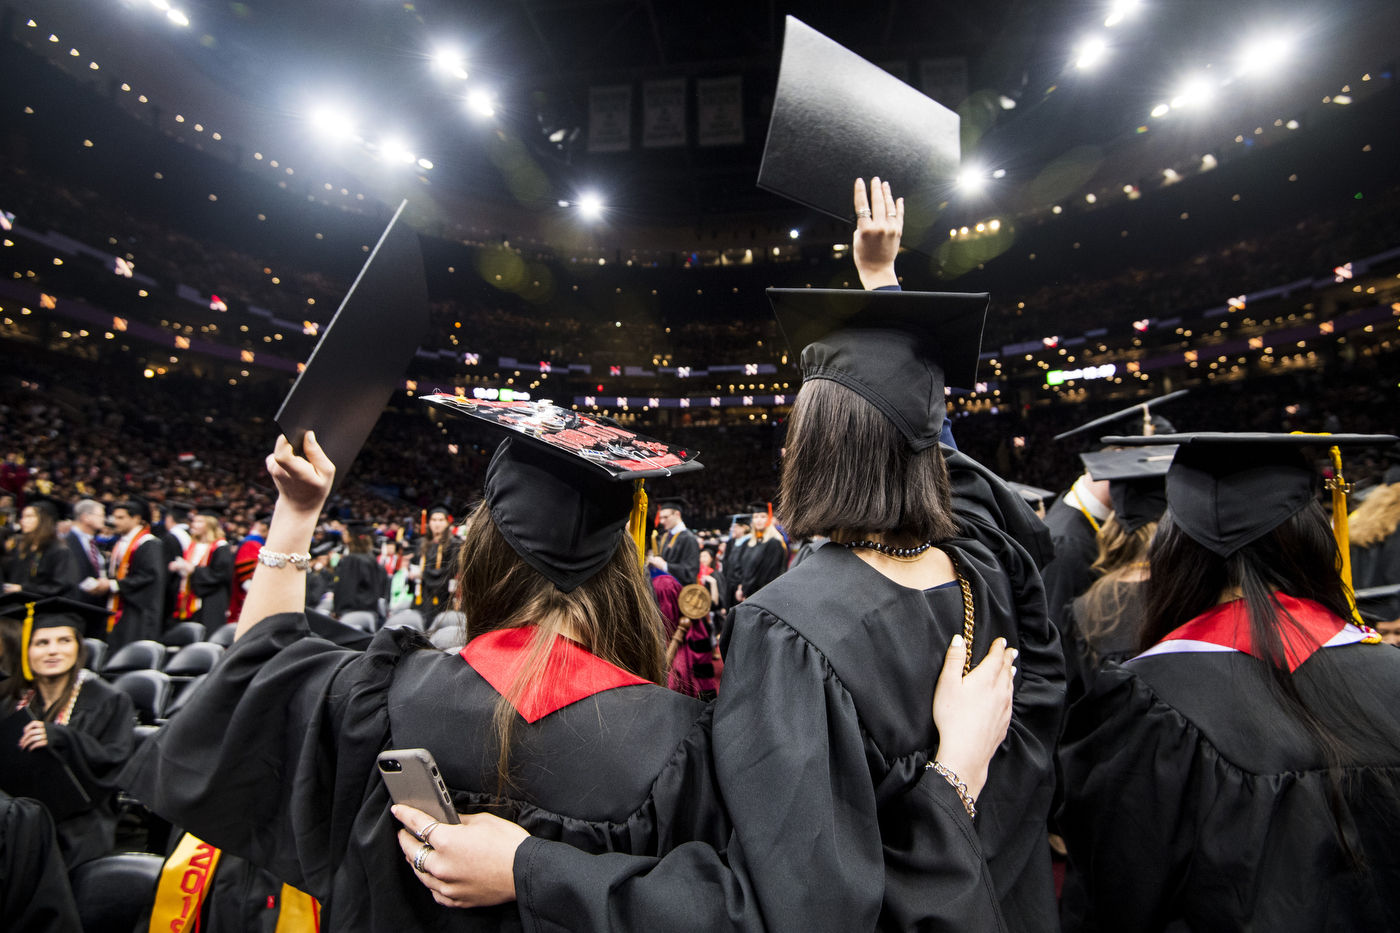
[{"x": 694, "y": 601}]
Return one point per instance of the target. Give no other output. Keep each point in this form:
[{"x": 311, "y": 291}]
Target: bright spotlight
[
  {"x": 1119, "y": 9},
  {"x": 1193, "y": 94},
  {"x": 1006, "y": 102},
  {"x": 480, "y": 103},
  {"x": 1091, "y": 52},
  {"x": 794, "y": 233},
  {"x": 178, "y": 18},
  {"x": 335, "y": 124},
  {"x": 162, "y": 5},
  {"x": 1264, "y": 56},
  {"x": 972, "y": 179},
  {"x": 395, "y": 151},
  {"x": 449, "y": 61},
  {"x": 1161, "y": 110},
  {"x": 590, "y": 206}
]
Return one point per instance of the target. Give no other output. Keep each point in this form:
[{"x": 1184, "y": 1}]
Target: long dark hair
[
  {"x": 44, "y": 534},
  {"x": 15, "y": 686},
  {"x": 846, "y": 467},
  {"x": 1298, "y": 558},
  {"x": 613, "y": 614}
]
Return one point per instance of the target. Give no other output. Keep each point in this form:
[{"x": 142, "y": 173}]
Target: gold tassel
[
  {"x": 26, "y": 633},
  {"x": 637, "y": 521},
  {"x": 1340, "y": 487}
]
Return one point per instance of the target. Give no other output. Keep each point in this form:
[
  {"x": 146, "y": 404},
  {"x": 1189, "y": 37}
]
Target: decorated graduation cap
[
  {"x": 1136, "y": 481},
  {"x": 1147, "y": 423},
  {"x": 557, "y": 487},
  {"x": 39, "y": 612},
  {"x": 837, "y": 117},
  {"x": 1228, "y": 490},
  {"x": 897, "y": 350},
  {"x": 363, "y": 352},
  {"x": 56, "y": 509}
]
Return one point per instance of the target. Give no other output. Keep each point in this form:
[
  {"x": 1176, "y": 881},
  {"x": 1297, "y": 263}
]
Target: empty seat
[
  {"x": 112, "y": 892},
  {"x": 363, "y": 620},
  {"x": 193, "y": 660},
  {"x": 144, "y": 655},
  {"x": 149, "y": 691},
  {"x": 223, "y": 635},
  {"x": 405, "y": 618},
  {"x": 142, "y": 733},
  {"x": 182, "y": 634},
  {"x": 184, "y": 695},
  {"x": 97, "y": 654}
]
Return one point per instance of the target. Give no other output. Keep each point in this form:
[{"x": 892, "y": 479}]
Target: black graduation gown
[
  {"x": 1193, "y": 802},
  {"x": 34, "y": 892},
  {"x": 172, "y": 549},
  {"x": 95, "y": 744},
  {"x": 1076, "y": 549},
  {"x": 51, "y": 572},
  {"x": 681, "y": 553},
  {"x": 1094, "y": 641},
  {"x": 438, "y": 561},
  {"x": 143, "y": 596},
  {"x": 359, "y": 584},
  {"x": 274, "y": 762},
  {"x": 822, "y": 726},
  {"x": 213, "y": 584},
  {"x": 763, "y": 563}
]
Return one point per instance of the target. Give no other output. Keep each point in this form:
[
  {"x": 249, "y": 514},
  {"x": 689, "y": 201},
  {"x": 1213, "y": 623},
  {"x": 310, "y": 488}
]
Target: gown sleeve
[
  {"x": 1128, "y": 811},
  {"x": 34, "y": 891},
  {"x": 144, "y": 582},
  {"x": 805, "y": 854},
  {"x": 273, "y": 758},
  {"x": 215, "y": 576},
  {"x": 97, "y": 752},
  {"x": 57, "y": 573}
]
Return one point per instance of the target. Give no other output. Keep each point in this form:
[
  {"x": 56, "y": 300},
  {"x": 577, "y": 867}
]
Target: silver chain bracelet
[
  {"x": 959, "y": 786},
  {"x": 278, "y": 561}
]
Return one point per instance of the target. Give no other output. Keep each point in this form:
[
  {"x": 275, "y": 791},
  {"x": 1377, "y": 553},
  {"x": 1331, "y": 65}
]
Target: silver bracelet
[
  {"x": 959, "y": 786},
  {"x": 278, "y": 561}
]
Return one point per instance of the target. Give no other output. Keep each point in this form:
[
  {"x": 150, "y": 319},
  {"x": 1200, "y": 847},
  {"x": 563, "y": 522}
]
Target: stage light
[
  {"x": 794, "y": 233},
  {"x": 590, "y": 206},
  {"x": 335, "y": 124},
  {"x": 1193, "y": 93},
  {"x": 999, "y": 173},
  {"x": 449, "y": 61},
  {"x": 1264, "y": 56},
  {"x": 424, "y": 163},
  {"x": 395, "y": 151},
  {"x": 1161, "y": 110},
  {"x": 1090, "y": 53},
  {"x": 1007, "y": 103},
  {"x": 160, "y": 5},
  {"x": 178, "y": 18},
  {"x": 972, "y": 179},
  {"x": 1119, "y": 9},
  {"x": 480, "y": 102}
]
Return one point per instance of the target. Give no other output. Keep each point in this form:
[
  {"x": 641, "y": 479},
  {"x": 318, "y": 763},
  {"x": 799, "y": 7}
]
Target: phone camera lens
[{"x": 390, "y": 766}]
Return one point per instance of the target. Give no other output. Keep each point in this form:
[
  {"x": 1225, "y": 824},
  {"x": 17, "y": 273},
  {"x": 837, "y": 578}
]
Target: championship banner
[
  {"x": 720, "y": 110},
  {"x": 663, "y": 113},
  {"x": 610, "y": 118}
]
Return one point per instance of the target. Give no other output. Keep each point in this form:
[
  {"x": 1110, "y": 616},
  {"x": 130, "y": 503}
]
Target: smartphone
[{"x": 413, "y": 780}]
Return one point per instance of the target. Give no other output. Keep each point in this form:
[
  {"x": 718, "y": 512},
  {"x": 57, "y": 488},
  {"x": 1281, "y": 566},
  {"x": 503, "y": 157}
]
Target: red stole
[
  {"x": 186, "y": 603},
  {"x": 116, "y": 604},
  {"x": 571, "y": 673}
]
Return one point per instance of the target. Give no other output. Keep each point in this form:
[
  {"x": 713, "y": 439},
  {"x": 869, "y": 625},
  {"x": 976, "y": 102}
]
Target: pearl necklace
[{"x": 895, "y": 553}]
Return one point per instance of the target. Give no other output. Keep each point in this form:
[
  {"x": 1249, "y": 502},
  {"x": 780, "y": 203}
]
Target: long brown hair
[
  {"x": 14, "y": 687},
  {"x": 1121, "y": 554},
  {"x": 44, "y": 534},
  {"x": 847, "y": 467},
  {"x": 613, "y": 614}
]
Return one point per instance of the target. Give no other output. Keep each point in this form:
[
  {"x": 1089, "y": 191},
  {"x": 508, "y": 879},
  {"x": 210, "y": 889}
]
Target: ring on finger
[
  {"x": 423, "y": 833},
  {"x": 864, "y": 212},
  {"x": 420, "y": 858}
]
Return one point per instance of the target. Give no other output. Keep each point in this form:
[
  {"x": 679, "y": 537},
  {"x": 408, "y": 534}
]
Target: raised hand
[
  {"x": 972, "y": 713},
  {"x": 879, "y": 226},
  {"x": 303, "y": 482}
]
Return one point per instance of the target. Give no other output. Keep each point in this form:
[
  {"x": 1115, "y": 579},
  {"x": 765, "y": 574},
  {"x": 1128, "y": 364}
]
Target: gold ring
[{"x": 420, "y": 858}]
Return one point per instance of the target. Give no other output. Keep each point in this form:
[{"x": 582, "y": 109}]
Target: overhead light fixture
[
  {"x": 1007, "y": 103},
  {"x": 449, "y": 61},
  {"x": 1090, "y": 53},
  {"x": 590, "y": 206},
  {"x": 480, "y": 103},
  {"x": 178, "y": 18},
  {"x": 1193, "y": 93},
  {"x": 1161, "y": 110},
  {"x": 1120, "y": 9},
  {"x": 1263, "y": 56},
  {"x": 972, "y": 179},
  {"x": 333, "y": 123}
]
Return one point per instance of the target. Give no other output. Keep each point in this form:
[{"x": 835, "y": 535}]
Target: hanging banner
[
  {"x": 610, "y": 118},
  {"x": 663, "y": 113},
  {"x": 720, "y": 110},
  {"x": 945, "y": 80}
]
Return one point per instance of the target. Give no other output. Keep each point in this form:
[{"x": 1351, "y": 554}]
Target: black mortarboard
[
  {"x": 439, "y": 508},
  {"x": 212, "y": 509},
  {"x": 743, "y": 518},
  {"x": 555, "y": 486},
  {"x": 1136, "y": 482},
  {"x": 895, "y": 349},
  {"x": 1379, "y": 603},
  {"x": 56, "y": 509},
  {"x": 1033, "y": 495},
  {"x": 38, "y": 612},
  {"x": 672, "y": 502},
  {"x": 837, "y": 117},
  {"x": 180, "y": 510},
  {"x": 1141, "y": 411},
  {"x": 363, "y": 352},
  {"x": 1228, "y": 490}
]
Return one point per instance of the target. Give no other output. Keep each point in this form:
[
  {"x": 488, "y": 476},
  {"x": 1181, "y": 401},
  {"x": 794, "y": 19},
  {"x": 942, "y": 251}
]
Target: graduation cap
[
  {"x": 837, "y": 117},
  {"x": 39, "y": 612},
  {"x": 1137, "y": 482},
  {"x": 743, "y": 518},
  {"x": 439, "y": 508},
  {"x": 556, "y": 487},
  {"x": 1148, "y": 423},
  {"x": 363, "y": 352},
  {"x": 211, "y": 509},
  {"x": 1034, "y": 496},
  {"x": 1227, "y": 490},
  {"x": 672, "y": 502},
  {"x": 895, "y": 349},
  {"x": 1379, "y": 603},
  {"x": 56, "y": 509}
]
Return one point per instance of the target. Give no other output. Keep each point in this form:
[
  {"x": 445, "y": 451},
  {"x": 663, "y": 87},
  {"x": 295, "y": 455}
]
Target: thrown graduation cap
[
  {"x": 1228, "y": 490},
  {"x": 1136, "y": 482},
  {"x": 363, "y": 353},
  {"x": 837, "y": 117},
  {"x": 897, "y": 350},
  {"x": 1142, "y": 411},
  {"x": 556, "y": 488}
]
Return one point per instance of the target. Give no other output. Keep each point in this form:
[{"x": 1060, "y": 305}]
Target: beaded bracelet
[
  {"x": 959, "y": 786},
  {"x": 278, "y": 561}
]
